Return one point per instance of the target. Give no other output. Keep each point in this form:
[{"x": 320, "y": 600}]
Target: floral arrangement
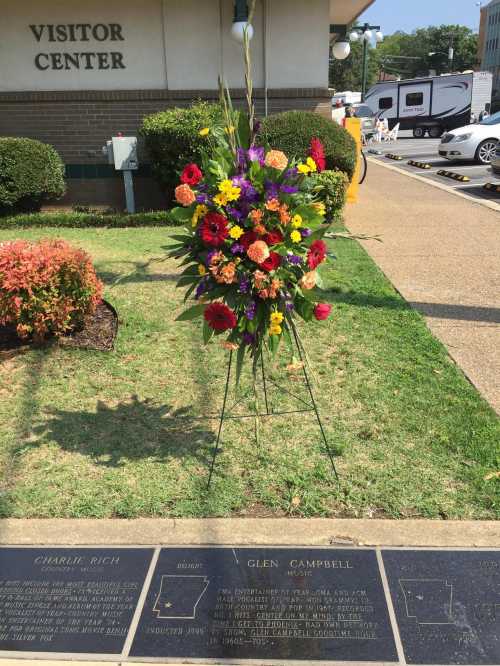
[
  {"x": 253, "y": 244},
  {"x": 46, "y": 288}
]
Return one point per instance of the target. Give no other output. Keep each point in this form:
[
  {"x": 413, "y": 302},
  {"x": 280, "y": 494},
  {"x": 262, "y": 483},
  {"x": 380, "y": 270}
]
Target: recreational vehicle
[{"x": 431, "y": 104}]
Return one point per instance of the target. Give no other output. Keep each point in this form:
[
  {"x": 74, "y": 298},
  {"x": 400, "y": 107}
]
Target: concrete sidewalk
[{"x": 442, "y": 253}]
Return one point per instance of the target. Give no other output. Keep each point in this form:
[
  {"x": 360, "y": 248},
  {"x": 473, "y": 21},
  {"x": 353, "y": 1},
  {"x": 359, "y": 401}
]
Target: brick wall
[{"x": 78, "y": 124}]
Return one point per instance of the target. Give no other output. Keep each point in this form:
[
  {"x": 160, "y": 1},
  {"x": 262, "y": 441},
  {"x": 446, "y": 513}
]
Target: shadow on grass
[
  {"x": 114, "y": 435},
  {"x": 136, "y": 272}
]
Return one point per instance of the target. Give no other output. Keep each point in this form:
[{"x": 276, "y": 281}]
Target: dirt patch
[{"x": 98, "y": 332}]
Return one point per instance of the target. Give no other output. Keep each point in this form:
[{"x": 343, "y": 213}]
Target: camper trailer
[{"x": 432, "y": 104}]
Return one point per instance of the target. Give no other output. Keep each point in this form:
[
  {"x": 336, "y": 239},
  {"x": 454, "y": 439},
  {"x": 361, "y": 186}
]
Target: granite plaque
[
  {"x": 447, "y": 605},
  {"x": 266, "y": 603},
  {"x": 78, "y": 600}
]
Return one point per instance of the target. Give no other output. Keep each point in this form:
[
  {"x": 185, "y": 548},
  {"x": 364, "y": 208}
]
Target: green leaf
[
  {"x": 240, "y": 358},
  {"x": 207, "y": 332},
  {"x": 191, "y": 313},
  {"x": 304, "y": 308},
  {"x": 182, "y": 238},
  {"x": 181, "y": 214},
  {"x": 244, "y": 130},
  {"x": 187, "y": 280}
]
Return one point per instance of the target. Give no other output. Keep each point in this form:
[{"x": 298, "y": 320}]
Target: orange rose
[
  {"x": 227, "y": 273},
  {"x": 184, "y": 195},
  {"x": 273, "y": 204},
  {"x": 308, "y": 281},
  {"x": 276, "y": 159},
  {"x": 258, "y": 252}
]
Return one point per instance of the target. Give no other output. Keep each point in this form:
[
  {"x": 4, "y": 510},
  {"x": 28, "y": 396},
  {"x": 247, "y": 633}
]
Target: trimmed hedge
[
  {"x": 31, "y": 172},
  {"x": 82, "y": 220},
  {"x": 173, "y": 139},
  {"x": 333, "y": 187},
  {"x": 292, "y": 132}
]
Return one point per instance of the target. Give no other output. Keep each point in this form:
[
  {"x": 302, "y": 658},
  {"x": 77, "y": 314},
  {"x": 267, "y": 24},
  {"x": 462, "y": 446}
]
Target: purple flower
[
  {"x": 289, "y": 189},
  {"x": 250, "y": 310},
  {"x": 202, "y": 199},
  {"x": 244, "y": 286},
  {"x": 291, "y": 173},
  {"x": 235, "y": 213},
  {"x": 237, "y": 248},
  {"x": 201, "y": 289},
  {"x": 248, "y": 339},
  {"x": 289, "y": 306},
  {"x": 305, "y": 232},
  {"x": 210, "y": 256},
  {"x": 293, "y": 259},
  {"x": 256, "y": 154},
  {"x": 241, "y": 159},
  {"x": 272, "y": 190}
]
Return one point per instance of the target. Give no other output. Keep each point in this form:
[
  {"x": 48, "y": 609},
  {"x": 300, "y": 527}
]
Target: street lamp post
[{"x": 366, "y": 33}]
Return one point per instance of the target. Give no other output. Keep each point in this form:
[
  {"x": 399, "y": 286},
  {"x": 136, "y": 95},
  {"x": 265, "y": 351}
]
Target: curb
[
  {"x": 420, "y": 165},
  {"x": 392, "y": 156},
  {"x": 492, "y": 205},
  {"x": 251, "y": 531}
]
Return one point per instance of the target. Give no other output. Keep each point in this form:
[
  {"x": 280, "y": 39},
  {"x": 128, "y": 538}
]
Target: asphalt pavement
[{"x": 426, "y": 150}]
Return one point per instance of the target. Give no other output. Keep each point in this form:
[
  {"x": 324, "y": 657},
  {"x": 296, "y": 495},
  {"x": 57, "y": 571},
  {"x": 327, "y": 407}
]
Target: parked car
[
  {"x": 368, "y": 119},
  {"x": 473, "y": 142}
]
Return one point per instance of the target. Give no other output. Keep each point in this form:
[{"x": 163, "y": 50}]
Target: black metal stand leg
[
  {"x": 221, "y": 422},
  {"x": 264, "y": 381},
  {"x": 313, "y": 401}
]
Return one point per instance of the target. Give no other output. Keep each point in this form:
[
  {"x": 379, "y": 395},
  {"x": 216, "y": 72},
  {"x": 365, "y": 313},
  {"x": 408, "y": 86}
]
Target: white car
[{"x": 474, "y": 142}]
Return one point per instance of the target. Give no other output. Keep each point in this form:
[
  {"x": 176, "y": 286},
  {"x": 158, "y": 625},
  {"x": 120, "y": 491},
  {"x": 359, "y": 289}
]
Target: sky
[{"x": 407, "y": 15}]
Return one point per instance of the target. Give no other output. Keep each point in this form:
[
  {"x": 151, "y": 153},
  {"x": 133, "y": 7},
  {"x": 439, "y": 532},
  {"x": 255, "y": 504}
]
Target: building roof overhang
[{"x": 345, "y": 12}]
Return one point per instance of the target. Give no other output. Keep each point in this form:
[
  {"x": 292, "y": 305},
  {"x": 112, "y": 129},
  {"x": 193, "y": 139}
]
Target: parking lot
[{"x": 426, "y": 150}]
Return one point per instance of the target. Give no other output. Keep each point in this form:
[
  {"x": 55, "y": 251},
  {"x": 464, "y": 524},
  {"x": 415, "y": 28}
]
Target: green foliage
[
  {"x": 82, "y": 220},
  {"x": 407, "y": 55},
  {"x": 173, "y": 140},
  {"x": 292, "y": 132},
  {"x": 333, "y": 190},
  {"x": 31, "y": 172}
]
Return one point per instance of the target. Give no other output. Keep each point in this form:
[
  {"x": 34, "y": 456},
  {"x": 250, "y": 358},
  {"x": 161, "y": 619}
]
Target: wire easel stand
[{"x": 309, "y": 405}]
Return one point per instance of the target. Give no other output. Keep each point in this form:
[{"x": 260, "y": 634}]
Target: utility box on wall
[{"x": 125, "y": 153}]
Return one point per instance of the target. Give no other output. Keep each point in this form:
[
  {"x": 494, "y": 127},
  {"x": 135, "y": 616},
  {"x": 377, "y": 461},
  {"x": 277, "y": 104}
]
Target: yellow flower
[
  {"x": 205, "y": 131},
  {"x": 225, "y": 186},
  {"x": 233, "y": 194},
  {"x": 200, "y": 211},
  {"x": 236, "y": 232},
  {"x": 275, "y": 330},
  {"x": 296, "y": 221},
  {"x": 296, "y": 236},
  {"x": 221, "y": 199},
  {"x": 320, "y": 208},
  {"x": 201, "y": 269},
  {"x": 276, "y": 318},
  {"x": 303, "y": 168},
  {"x": 311, "y": 164}
]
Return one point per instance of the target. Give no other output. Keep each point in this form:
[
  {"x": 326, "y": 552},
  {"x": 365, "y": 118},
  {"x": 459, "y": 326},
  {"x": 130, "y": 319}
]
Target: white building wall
[{"x": 175, "y": 44}]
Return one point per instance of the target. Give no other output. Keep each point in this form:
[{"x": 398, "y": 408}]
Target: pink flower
[
  {"x": 184, "y": 195},
  {"x": 322, "y": 311},
  {"x": 277, "y": 160},
  {"x": 258, "y": 252}
]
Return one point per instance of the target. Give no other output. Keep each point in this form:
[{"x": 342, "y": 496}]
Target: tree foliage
[{"x": 407, "y": 55}]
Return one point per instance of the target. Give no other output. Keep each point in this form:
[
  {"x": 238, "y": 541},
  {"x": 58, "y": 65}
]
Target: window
[
  {"x": 385, "y": 103},
  {"x": 414, "y": 99}
]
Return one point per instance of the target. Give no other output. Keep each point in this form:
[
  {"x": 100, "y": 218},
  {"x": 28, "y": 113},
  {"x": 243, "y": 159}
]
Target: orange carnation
[
  {"x": 256, "y": 216},
  {"x": 260, "y": 229},
  {"x": 276, "y": 159},
  {"x": 284, "y": 214},
  {"x": 260, "y": 278},
  {"x": 184, "y": 195},
  {"x": 273, "y": 204},
  {"x": 258, "y": 252}
]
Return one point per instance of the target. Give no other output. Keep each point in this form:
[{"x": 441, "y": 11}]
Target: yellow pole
[{"x": 353, "y": 126}]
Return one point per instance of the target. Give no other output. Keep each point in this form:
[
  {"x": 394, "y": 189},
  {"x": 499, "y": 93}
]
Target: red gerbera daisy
[
  {"x": 214, "y": 229},
  {"x": 317, "y": 152},
  {"x": 191, "y": 175},
  {"x": 273, "y": 238},
  {"x": 220, "y": 317},
  {"x": 316, "y": 254},
  {"x": 271, "y": 263}
]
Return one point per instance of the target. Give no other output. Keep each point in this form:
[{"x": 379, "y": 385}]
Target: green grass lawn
[{"x": 93, "y": 434}]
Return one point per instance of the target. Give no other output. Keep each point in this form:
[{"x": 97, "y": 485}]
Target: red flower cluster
[
  {"x": 316, "y": 254},
  {"x": 271, "y": 263},
  {"x": 322, "y": 311},
  {"x": 317, "y": 152},
  {"x": 219, "y": 317},
  {"x": 273, "y": 238},
  {"x": 214, "y": 229},
  {"x": 247, "y": 239},
  {"x": 191, "y": 175},
  {"x": 46, "y": 287}
]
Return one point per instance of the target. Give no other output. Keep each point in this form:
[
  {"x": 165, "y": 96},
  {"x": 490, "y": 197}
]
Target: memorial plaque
[
  {"x": 266, "y": 603},
  {"x": 78, "y": 600},
  {"x": 447, "y": 605}
]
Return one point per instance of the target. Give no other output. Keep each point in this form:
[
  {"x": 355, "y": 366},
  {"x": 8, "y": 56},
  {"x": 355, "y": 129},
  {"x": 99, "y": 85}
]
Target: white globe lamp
[
  {"x": 341, "y": 50},
  {"x": 367, "y": 35},
  {"x": 379, "y": 36},
  {"x": 354, "y": 36},
  {"x": 238, "y": 31}
]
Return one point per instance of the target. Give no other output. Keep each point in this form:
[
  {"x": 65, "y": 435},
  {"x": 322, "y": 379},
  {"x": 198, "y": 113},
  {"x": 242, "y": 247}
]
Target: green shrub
[
  {"x": 82, "y": 220},
  {"x": 292, "y": 132},
  {"x": 46, "y": 288},
  {"x": 31, "y": 172},
  {"x": 173, "y": 139},
  {"x": 333, "y": 190}
]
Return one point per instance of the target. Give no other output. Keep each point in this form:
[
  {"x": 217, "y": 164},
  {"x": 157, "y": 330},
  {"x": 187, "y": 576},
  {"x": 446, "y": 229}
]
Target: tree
[{"x": 407, "y": 55}]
